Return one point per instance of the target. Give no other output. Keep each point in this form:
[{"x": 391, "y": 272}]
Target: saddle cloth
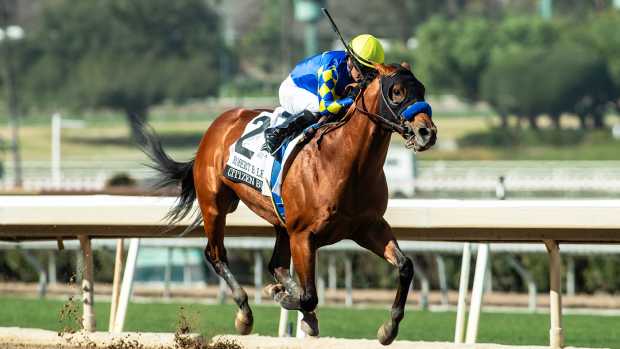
[{"x": 250, "y": 165}]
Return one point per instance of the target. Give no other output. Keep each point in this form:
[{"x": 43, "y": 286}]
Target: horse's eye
[{"x": 397, "y": 94}]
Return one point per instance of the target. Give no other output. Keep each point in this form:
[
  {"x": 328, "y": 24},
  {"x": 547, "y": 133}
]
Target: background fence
[{"x": 405, "y": 175}]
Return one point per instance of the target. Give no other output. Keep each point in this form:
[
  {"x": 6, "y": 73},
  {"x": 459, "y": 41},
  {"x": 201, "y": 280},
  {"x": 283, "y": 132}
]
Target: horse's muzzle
[{"x": 423, "y": 133}]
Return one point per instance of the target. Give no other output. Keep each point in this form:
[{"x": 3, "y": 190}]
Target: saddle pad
[{"x": 250, "y": 165}]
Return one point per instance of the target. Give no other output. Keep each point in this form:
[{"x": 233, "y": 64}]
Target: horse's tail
[{"x": 171, "y": 172}]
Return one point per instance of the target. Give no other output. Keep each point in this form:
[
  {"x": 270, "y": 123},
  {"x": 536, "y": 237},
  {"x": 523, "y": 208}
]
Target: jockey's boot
[{"x": 275, "y": 136}]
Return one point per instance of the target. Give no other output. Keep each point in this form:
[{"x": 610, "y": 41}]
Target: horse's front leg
[{"x": 379, "y": 239}]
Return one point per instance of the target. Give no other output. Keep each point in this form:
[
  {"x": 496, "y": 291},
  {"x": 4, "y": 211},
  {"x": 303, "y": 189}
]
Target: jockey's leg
[
  {"x": 274, "y": 136},
  {"x": 303, "y": 106}
]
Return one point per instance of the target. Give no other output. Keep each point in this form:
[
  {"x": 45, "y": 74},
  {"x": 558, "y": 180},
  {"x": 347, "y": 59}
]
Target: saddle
[{"x": 249, "y": 164}]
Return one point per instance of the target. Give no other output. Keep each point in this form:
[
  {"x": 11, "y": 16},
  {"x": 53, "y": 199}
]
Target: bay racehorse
[{"x": 334, "y": 189}]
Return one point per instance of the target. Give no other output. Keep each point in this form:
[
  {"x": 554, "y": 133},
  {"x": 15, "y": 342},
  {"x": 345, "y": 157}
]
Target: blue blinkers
[{"x": 416, "y": 108}]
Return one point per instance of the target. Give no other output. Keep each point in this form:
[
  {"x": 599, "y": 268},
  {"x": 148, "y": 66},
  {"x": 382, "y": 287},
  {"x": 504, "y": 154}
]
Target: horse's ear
[
  {"x": 384, "y": 69},
  {"x": 405, "y": 65}
]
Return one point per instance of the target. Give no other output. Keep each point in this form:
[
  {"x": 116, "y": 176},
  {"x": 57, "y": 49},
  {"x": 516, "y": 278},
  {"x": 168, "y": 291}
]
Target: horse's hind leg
[
  {"x": 214, "y": 209},
  {"x": 287, "y": 292},
  {"x": 378, "y": 238},
  {"x": 279, "y": 267}
]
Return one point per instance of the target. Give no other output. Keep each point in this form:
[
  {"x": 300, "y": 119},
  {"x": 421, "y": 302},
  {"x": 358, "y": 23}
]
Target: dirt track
[
  {"x": 30, "y": 338},
  {"x": 256, "y": 342},
  {"x": 24, "y": 338}
]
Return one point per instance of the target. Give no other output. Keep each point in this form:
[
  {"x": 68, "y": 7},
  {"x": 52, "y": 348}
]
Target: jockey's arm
[{"x": 328, "y": 105}]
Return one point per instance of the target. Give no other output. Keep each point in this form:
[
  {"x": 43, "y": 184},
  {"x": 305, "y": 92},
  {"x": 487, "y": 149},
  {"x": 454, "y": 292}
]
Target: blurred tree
[
  {"x": 124, "y": 54},
  {"x": 603, "y": 38},
  {"x": 522, "y": 33},
  {"x": 452, "y": 54},
  {"x": 600, "y": 274},
  {"x": 261, "y": 46},
  {"x": 568, "y": 78},
  {"x": 356, "y": 17},
  {"x": 578, "y": 8},
  {"x": 519, "y": 43}
]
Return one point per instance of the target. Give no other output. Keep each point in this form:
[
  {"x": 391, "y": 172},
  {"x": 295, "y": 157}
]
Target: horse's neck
[{"x": 369, "y": 141}]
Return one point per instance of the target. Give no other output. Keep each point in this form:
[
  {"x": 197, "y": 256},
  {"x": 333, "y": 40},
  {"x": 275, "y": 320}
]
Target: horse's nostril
[{"x": 424, "y": 132}]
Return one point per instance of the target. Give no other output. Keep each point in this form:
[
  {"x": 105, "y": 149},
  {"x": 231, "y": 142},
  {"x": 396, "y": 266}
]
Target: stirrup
[{"x": 279, "y": 144}]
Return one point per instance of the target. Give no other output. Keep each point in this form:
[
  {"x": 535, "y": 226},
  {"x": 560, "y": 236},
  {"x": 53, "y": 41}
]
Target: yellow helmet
[{"x": 368, "y": 49}]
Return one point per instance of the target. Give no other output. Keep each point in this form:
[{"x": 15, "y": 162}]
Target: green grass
[{"x": 533, "y": 329}]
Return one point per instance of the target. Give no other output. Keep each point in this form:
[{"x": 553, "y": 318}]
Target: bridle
[{"x": 396, "y": 124}]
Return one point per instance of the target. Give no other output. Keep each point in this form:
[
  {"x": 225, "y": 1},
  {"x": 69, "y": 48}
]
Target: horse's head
[{"x": 402, "y": 102}]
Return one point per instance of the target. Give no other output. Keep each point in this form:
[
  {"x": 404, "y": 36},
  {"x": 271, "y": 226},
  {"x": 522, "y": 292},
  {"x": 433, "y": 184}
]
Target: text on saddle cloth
[{"x": 250, "y": 165}]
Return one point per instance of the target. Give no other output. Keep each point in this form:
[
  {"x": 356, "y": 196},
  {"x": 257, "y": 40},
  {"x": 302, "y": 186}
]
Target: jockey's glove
[{"x": 353, "y": 92}]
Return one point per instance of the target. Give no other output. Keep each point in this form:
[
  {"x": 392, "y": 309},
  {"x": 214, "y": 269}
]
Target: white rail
[{"x": 548, "y": 221}]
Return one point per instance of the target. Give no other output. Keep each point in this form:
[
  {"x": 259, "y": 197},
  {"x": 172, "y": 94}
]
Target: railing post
[
  {"x": 88, "y": 292},
  {"x": 527, "y": 277},
  {"x": 127, "y": 286},
  {"x": 476, "y": 293},
  {"x": 424, "y": 284},
  {"x": 443, "y": 282},
  {"x": 258, "y": 276},
  {"x": 51, "y": 268},
  {"x": 168, "y": 273},
  {"x": 348, "y": 280},
  {"x": 570, "y": 276},
  {"x": 116, "y": 282},
  {"x": 556, "y": 337},
  {"x": 34, "y": 262},
  {"x": 461, "y": 308},
  {"x": 331, "y": 272}
]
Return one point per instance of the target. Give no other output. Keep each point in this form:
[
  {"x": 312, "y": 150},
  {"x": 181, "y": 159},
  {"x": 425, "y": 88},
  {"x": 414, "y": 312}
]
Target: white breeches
[{"x": 295, "y": 99}]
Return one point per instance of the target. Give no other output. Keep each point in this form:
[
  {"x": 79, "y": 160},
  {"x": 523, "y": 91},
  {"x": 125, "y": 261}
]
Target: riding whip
[{"x": 346, "y": 46}]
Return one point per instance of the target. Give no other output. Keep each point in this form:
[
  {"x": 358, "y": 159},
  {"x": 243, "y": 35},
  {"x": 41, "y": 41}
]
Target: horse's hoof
[
  {"x": 272, "y": 290},
  {"x": 310, "y": 324},
  {"x": 387, "y": 333},
  {"x": 243, "y": 322}
]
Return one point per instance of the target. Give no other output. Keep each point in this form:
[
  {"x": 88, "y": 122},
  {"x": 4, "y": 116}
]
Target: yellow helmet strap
[{"x": 355, "y": 60}]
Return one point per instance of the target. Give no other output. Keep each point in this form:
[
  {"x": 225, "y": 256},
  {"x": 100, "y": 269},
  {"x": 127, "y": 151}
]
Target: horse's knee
[{"x": 308, "y": 301}]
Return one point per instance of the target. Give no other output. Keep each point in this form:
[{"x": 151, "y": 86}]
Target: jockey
[{"x": 316, "y": 86}]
